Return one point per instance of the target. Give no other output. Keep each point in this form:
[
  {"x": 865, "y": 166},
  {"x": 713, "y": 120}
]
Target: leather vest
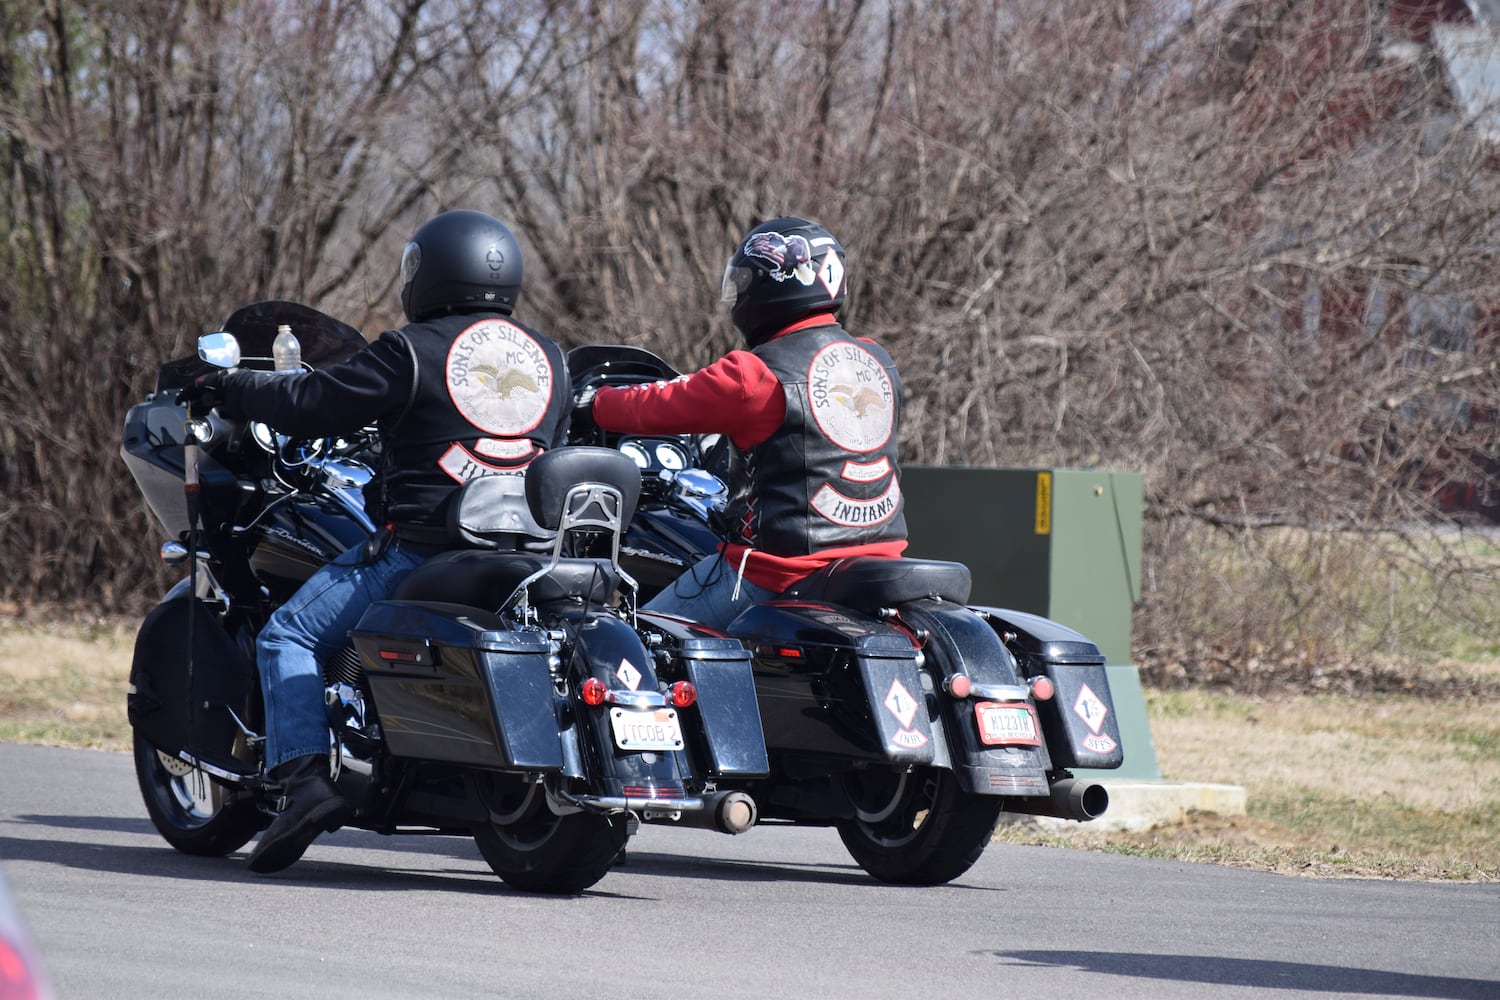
[
  {"x": 828, "y": 476},
  {"x": 488, "y": 396}
]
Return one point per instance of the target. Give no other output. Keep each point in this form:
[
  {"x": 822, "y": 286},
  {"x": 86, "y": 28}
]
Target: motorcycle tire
[
  {"x": 916, "y": 827},
  {"x": 193, "y": 812},
  {"x": 540, "y": 851}
]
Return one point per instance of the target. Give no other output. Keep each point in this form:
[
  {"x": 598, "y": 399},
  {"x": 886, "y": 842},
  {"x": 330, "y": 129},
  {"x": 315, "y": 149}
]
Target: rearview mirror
[{"x": 219, "y": 349}]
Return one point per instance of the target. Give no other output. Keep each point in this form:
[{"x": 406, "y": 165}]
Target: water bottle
[{"x": 286, "y": 351}]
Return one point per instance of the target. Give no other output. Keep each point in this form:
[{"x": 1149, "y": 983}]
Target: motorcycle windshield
[
  {"x": 325, "y": 341},
  {"x": 616, "y": 364}
]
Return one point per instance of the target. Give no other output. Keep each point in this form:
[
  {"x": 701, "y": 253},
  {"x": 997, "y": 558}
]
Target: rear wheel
[
  {"x": 536, "y": 850},
  {"x": 916, "y": 827},
  {"x": 193, "y": 812}
]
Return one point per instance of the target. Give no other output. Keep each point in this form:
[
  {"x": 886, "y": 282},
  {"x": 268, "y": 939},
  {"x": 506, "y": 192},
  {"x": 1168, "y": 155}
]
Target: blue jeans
[
  {"x": 308, "y": 629},
  {"x": 705, "y": 593}
]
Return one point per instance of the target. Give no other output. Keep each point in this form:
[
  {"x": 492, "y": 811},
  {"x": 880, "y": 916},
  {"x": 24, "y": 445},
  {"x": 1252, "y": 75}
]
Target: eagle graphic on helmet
[{"x": 790, "y": 256}]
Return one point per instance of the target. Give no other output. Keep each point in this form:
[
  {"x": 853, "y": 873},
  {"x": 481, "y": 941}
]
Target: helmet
[
  {"x": 460, "y": 261},
  {"x": 784, "y": 270}
]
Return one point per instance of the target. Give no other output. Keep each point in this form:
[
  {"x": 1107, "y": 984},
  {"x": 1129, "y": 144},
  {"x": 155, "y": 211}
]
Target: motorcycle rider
[
  {"x": 461, "y": 391},
  {"x": 813, "y": 411}
]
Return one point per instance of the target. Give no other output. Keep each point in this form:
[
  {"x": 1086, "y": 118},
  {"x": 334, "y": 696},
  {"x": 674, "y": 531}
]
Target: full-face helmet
[
  {"x": 460, "y": 261},
  {"x": 783, "y": 270}
]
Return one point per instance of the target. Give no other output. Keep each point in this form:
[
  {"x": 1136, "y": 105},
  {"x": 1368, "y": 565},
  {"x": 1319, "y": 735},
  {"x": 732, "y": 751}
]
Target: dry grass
[
  {"x": 1385, "y": 786},
  {"x": 1374, "y": 786},
  {"x": 65, "y": 685}
]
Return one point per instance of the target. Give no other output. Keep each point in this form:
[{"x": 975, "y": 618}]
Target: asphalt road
[{"x": 776, "y": 912}]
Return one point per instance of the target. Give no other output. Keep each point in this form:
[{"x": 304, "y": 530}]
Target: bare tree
[{"x": 1244, "y": 246}]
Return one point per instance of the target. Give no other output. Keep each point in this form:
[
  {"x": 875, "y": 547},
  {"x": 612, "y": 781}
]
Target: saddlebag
[
  {"x": 728, "y": 736},
  {"x": 1079, "y": 719},
  {"x": 830, "y": 682},
  {"x": 451, "y": 682},
  {"x": 189, "y": 682}
]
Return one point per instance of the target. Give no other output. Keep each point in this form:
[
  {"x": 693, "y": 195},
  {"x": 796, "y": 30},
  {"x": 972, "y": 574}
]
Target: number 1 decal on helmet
[{"x": 784, "y": 270}]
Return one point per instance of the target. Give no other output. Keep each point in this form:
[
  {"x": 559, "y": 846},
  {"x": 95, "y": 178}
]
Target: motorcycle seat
[
  {"x": 867, "y": 583},
  {"x": 481, "y": 578}
]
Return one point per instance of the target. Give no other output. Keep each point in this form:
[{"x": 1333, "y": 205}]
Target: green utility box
[{"x": 1061, "y": 543}]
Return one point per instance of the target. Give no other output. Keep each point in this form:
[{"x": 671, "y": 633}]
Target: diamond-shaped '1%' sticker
[
  {"x": 629, "y": 675},
  {"x": 901, "y": 704},
  {"x": 1090, "y": 708}
]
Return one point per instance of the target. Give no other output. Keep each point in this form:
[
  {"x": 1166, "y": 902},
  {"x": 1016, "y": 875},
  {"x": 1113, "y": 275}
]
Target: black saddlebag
[{"x": 452, "y": 683}]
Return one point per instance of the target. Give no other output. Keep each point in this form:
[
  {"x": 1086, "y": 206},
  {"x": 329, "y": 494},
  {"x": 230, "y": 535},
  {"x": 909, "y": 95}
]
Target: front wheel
[
  {"x": 916, "y": 827},
  {"x": 193, "y": 812},
  {"x": 536, "y": 850}
]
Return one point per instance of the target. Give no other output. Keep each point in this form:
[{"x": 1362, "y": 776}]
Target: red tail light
[
  {"x": 1042, "y": 688},
  {"x": 592, "y": 691},
  {"x": 684, "y": 694}
]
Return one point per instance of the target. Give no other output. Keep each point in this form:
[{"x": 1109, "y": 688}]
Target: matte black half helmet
[
  {"x": 460, "y": 261},
  {"x": 784, "y": 270}
]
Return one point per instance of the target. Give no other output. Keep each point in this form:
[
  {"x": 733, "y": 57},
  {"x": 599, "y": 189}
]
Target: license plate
[
  {"x": 1006, "y": 724},
  {"x": 651, "y": 730}
]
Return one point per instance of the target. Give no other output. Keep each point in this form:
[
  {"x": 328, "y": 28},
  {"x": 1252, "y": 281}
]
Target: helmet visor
[
  {"x": 736, "y": 280},
  {"x": 411, "y": 259}
]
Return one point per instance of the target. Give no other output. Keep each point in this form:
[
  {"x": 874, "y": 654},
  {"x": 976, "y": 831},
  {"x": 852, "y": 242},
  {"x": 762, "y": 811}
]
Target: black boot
[{"x": 312, "y": 806}]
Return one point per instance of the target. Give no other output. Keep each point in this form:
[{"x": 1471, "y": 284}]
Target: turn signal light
[
  {"x": 593, "y": 691},
  {"x": 1042, "y": 688},
  {"x": 959, "y": 685},
  {"x": 684, "y": 693}
]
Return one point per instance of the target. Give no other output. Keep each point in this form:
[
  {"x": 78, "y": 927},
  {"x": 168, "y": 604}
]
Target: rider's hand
[
  {"x": 583, "y": 406},
  {"x": 205, "y": 392}
]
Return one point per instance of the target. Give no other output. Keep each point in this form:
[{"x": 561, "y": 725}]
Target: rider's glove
[
  {"x": 583, "y": 406},
  {"x": 205, "y": 392}
]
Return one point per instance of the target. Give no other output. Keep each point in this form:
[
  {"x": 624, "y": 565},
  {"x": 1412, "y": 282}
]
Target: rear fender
[
  {"x": 610, "y": 650},
  {"x": 959, "y": 643}
]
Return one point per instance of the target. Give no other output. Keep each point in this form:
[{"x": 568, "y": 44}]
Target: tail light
[
  {"x": 593, "y": 691},
  {"x": 684, "y": 694},
  {"x": 1042, "y": 688}
]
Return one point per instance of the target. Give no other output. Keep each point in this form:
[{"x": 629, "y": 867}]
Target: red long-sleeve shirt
[{"x": 739, "y": 397}]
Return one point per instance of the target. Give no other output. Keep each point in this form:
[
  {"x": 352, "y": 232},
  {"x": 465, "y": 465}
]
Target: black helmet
[
  {"x": 460, "y": 261},
  {"x": 784, "y": 270}
]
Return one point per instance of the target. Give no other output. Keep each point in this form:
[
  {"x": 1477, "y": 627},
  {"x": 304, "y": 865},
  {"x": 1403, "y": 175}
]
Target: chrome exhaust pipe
[
  {"x": 729, "y": 812},
  {"x": 734, "y": 812},
  {"x": 1071, "y": 798}
]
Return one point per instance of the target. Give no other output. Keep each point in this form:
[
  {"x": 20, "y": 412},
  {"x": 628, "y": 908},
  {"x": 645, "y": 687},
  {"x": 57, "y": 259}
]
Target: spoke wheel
[
  {"x": 916, "y": 827},
  {"x": 536, "y": 850},
  {"x": 193, "y": 812}
]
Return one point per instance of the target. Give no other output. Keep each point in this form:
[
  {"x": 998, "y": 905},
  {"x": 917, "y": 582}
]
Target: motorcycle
[
  {"x": 893, "y": 709},
  {"x": 506, "y": 692}
]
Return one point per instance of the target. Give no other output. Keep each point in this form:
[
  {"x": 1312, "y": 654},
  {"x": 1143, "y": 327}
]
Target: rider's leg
[
  {"x": 301, "y": 634},
  {"x": 710, "y": 592}
]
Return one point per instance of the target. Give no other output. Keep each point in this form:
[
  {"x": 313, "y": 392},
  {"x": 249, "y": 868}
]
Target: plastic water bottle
[{"x": 286, "y": 351}]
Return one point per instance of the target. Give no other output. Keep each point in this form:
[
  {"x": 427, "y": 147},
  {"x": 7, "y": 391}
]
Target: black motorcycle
[
  {"x": 893, "y": 709},
  {"x": 506, "y": 692}
]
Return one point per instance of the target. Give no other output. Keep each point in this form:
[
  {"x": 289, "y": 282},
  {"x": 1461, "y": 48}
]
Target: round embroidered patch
[
  {"x": 499, "y": 378},
  {"x": 852, "y": 397}
]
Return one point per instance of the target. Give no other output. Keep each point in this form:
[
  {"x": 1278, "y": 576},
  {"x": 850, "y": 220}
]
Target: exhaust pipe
[
  {"x": 1071, "y": 798},
  {"x": 729, "y": 812},
  {"x": 733, "y": 812}
]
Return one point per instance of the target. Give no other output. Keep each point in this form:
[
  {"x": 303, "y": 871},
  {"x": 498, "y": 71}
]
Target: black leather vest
[
  {"x": 488, "y": 396},
  {"x": 828, "y": 477}
]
